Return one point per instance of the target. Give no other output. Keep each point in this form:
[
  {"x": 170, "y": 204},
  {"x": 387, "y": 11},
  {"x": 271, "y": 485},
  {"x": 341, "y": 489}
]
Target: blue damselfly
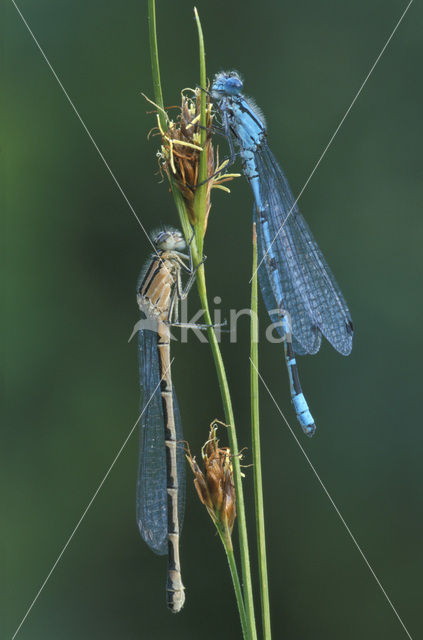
[{"x": 298, "y": 288}]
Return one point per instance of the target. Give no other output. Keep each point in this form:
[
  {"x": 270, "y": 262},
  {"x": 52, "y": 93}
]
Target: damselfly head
[
  {"x": 169, "y": 240},
  {"x": 226, "y": 83}
]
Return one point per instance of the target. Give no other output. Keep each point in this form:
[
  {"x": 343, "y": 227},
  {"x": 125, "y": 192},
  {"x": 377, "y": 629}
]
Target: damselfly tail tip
[
  {"x": 176, "y": 599},
  {"x": 310, "y": 430}
]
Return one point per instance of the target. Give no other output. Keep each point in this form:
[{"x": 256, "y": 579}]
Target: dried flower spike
[
  {"x": 179, "y": 155},
  {"x": 214, "y": 485}
]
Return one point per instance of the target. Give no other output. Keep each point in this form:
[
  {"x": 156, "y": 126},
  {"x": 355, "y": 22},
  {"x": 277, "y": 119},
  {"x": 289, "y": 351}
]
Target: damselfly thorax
[{"x": 161, "y": 289}]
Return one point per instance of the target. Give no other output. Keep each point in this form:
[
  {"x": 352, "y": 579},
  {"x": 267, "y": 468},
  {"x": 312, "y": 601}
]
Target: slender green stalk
[
  {"x": 155, "y": 69},
  {"x": 200, "y": 204},
  {"x": 249, "y": 626},
  {"x": 255, "y": 433},
  {"x": 158, "y": 98},
  {"x": 185, "y": 223},
  {"x": 233, "y": 441},
  {"x": 235, "y": 579}
]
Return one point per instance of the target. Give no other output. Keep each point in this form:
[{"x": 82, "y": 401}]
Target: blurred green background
[{"x": 73, "y": 252}]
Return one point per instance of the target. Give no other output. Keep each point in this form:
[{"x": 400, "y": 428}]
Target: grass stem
[
  {"x": 155, "y": 68},
  {"x": 235, "y": 580},
  {"x": 255, "y": 436},
  {"x": 200, "y": 205},
  {"x": 196, "y": 247}
]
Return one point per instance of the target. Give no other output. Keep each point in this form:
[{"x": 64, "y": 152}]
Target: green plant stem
[
  {"x": 235, "y": 579},
  {"x": 155, "y": 68},
  {"x": 230, "y": 420},
  {"x": 158, "y": 98},
  {"x": 200, "y": 210},
  {"x": 233, "y": 441},
  {"x": 196, "y": 250},
  {"x": 255, "y": 436},
  {"x": 185, "y": 223},
  {"x": 200, "y": 199},
  {"x": 200, "y": 204}
]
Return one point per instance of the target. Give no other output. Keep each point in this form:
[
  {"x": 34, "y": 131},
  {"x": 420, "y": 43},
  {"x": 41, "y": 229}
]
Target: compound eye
[
  {"x": 162, "y": 239},
  {"x": 179, "y": 241},
  {"x": 233, "y": 84}
]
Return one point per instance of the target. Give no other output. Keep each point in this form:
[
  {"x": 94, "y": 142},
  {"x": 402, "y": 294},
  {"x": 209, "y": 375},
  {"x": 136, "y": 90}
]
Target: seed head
[
  {"x": 214, "y": 485},
  {"x": 179, "y": 155}
]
